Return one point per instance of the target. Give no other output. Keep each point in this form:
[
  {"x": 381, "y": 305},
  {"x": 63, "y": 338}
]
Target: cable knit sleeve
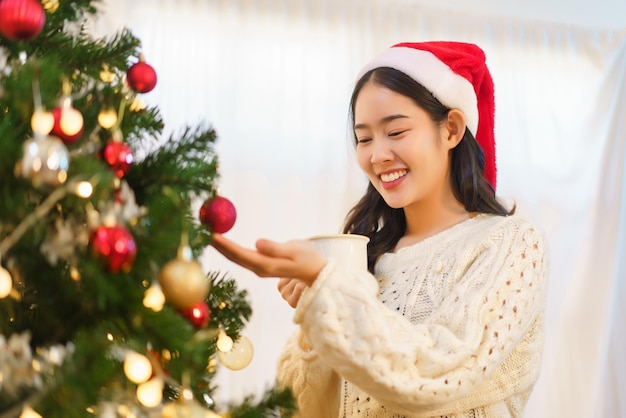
[
  {"x": 315, "y": 386},
  {"x": 496, "y": 295}
]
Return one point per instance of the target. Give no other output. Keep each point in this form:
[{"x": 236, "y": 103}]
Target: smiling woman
[
  {"x": 449, "y": 318},
  {"x": 275, "y": 77}
]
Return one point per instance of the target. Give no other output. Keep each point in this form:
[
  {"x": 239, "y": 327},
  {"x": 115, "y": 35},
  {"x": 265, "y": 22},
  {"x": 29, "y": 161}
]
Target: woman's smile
[{"x": 392, "y": 179}]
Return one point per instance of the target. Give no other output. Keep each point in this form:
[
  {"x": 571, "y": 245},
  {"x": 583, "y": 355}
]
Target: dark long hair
[{"x": 384, "y": 225}]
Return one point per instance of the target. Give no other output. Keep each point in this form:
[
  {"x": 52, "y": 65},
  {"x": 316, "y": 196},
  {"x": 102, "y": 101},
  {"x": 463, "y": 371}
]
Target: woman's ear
[{"x": 454, "y": 128}]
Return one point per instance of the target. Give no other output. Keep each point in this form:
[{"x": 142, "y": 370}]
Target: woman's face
[{"x": 400, "y": 148}]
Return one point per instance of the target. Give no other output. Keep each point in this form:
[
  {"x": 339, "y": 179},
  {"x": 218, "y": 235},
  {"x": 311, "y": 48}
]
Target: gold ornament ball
[
  {"x": 183, "y": 283},
  {"x": 239, "y": 356}
]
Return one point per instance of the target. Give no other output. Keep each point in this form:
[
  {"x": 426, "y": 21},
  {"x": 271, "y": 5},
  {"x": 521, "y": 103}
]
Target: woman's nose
[{"x": 381, "y": 152}]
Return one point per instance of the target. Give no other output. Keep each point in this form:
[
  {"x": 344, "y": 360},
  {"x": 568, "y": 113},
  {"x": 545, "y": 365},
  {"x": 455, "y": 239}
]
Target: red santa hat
[{"x": 457, "y": 75}]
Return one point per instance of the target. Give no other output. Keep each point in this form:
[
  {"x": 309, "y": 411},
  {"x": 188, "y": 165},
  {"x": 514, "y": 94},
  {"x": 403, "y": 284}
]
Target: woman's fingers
[
  {"x": 296, "y": 259},
  {"x": 291, "y": 290},
  {"x": 249, "y": 259},
  {"x": 283, "y": 283}
]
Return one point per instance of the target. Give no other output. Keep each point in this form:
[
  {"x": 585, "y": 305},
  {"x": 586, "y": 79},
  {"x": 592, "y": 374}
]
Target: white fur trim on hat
[{"x": 451, "y": 89}]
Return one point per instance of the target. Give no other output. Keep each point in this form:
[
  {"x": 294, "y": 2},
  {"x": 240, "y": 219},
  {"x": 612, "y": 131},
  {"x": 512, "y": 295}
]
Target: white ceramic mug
[{"x": 349, "y": 250}]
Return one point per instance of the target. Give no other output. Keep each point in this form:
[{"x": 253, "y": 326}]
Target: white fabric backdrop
[{"x": 274, "y": 78}]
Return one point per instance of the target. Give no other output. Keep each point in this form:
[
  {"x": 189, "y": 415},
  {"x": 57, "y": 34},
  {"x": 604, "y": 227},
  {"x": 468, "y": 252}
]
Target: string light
[
  {"x": 106, "y": 75},
  {"x": 137, "y": 367},
  {"x": 107, "y": 117},
  {"x": 29, "y": 412},
  {"x": 42, "y": 122},
  {"x": 224, "y": 342},
  {"x": 84, "y": 189},
  {"x": 154, "y": 298},
  {"x": 6, "y": 283},
  {"x": 71, "y": 121},
  {"x": 150, "y": 393}
]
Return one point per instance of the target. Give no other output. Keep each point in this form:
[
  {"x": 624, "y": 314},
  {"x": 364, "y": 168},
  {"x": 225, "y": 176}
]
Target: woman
[{"x": 448, "y": 319}]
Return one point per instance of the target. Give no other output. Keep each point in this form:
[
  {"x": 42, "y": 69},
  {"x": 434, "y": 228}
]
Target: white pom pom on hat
[{"x": 457, "y": 75}]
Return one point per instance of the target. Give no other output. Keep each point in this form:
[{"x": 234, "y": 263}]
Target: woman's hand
[
  {"x": 291, "y": 290},
  {"x": 294, "y": 259}
]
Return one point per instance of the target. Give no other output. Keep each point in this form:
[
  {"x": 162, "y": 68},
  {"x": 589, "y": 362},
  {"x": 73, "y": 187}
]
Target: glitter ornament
[
  {"x": 141, "y": 77},
  {"x": 239, "y": 356},
  {"x": 115, "y": 246},
  {"x": 218, "y": 213},
  {"x": 119, "y": 156},
  {"x": 21, "y": 20},
  {"x": 68, "y": 124},
  {"x": 198, "y": 314},
  {"x": 45, "y": 161},
  {"x": 183, "y": 282}
]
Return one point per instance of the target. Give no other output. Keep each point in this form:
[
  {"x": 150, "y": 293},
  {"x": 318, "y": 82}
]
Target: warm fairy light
[
  {"x": 84, "y": 189},
  {"x": 187, "y": 394},
  {"x": 107, "y": 117},
  {"x": 29, "y": 412},
  {"x": 210, "y": 367},
  {"x": 62, "y": 176},
  {"x": 71, "y": 121},
  {"x": 150, "y": 393},
  {"x": 224, "y": 342},
  {"x": 75, "y": 274},
  {"x": 106, "y": 75},
  {"x": 109, "y": 219},
  {"x": 6, "y": 283},
  {"x": 137, "y": 367},
  {"x": 109, "y": 336},
  {"x": 136, "y": 105},
  {"x": 154, "y": 298},
  {"x": 42, "y": 122},
  {"x": 51, "y": 6}
]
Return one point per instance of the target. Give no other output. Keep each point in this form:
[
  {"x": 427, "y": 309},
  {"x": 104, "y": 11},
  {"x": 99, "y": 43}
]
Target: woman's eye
[
  {"x": 396, "y": 133},
  {"x": 363, "y": 140}
]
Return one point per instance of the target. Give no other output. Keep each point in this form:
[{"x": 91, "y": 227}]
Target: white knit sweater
[{"x": 448, "y": 327}]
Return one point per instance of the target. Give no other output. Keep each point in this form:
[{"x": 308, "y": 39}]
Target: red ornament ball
[
  {"x": 115, "y": 246},
  {"x": 21, "y": 20},
  {"x": 60, "y": 131},
  {"x": 119, "y": 156},
  {"x": 198, "y": 314},
  {"x": 141, "y": 77},
  {"x": 219, "y": 213}
]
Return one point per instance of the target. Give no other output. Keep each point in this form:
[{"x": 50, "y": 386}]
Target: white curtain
[{"x": 274, "y": 78}]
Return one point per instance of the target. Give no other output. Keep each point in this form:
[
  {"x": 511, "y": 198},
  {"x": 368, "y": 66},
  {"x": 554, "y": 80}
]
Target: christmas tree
[{"x": 104, "y": 308}]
